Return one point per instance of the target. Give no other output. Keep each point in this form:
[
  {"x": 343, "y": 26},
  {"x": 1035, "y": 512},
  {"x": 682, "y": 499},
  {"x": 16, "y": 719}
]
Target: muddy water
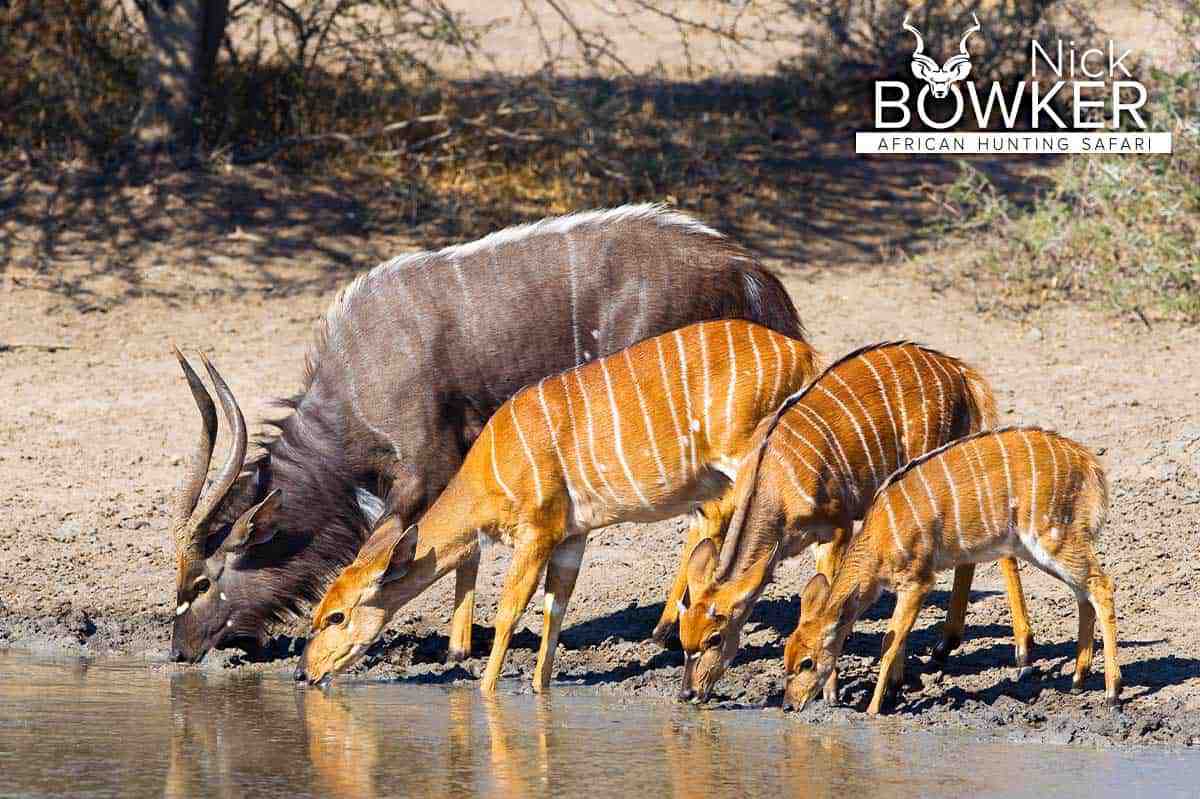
[{"x": 70, "y": 727}]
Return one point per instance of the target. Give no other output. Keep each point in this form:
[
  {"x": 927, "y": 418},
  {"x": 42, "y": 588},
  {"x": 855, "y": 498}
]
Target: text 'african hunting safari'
[{"x": 631, "y": 365}]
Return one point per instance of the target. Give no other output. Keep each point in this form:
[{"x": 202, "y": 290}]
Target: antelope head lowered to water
[
  {"x": 206, "y": 590},
  {"x": 817, "y": 464},
  {"x": 407, "y": 364},
  {"x": 644, "y": 434},
  {"x": 1014, "y": 492}
]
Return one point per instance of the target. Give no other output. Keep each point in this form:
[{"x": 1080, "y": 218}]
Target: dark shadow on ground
[{"x": 757, "y": 157}]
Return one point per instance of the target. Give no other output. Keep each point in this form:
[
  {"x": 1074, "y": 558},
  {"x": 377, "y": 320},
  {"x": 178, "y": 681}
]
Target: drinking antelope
[
  {"x": 408, "y": 363},
  {"x": 642, "y": 435},
  {"x": 817, "y": 463},
  {"x": 1016, "y": 492}
]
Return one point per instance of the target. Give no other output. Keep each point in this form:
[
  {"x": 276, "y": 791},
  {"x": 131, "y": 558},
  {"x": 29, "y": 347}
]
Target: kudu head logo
[{"x": 955, "y": 69}]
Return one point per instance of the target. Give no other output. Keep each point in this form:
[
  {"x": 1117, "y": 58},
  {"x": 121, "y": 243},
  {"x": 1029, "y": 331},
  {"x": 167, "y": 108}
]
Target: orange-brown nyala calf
[
  {"x": 648, "y": 433},
  {"x": 819, "y": 462},
  {"x": 1017, "y": 492}
]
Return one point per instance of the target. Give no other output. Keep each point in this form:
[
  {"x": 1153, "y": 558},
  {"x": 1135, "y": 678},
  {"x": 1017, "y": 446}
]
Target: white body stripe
[
  {"x": 591, "y": 431},
  {"x": 562, "y": 463},
  {"x": 758, "y": 365},
  {"x": 857, "y": 429},
  {"x": 849, "y": 479},
  {"x": 496, "y": 469},
  {"x": 887, "y": 505},
  {"x": 618, "y": 439},
  {"x": 791, "y": 473},
  {"x": 687, "y": 401},
  {"x": 912, "y": 508},
  {"x": 583, "y": 476},
  {"x": 987, "y": 486},
  {"x": 871, "y": 422},
  {"x": 933, "y": 506},
  {"x": 572, "y": 287},
  {"x": 1033, "y": 486},
  {"x": 924, "y": 410},
  {"x": 809, "y": 444},
  {"x": 732, "y": 379},
  {"x": 637, "y": 389},
  {"x": 943, "y": 410},
  {"x": 902, "y": 441},
  {"x": 666, "y": 381},
  {"x": 887, "y": 404},
  {"x": 778, "y": 366},
  {"x": 983, "y": 515},
  {"x": 537, "y": 478},
  {"x": 962, "y": 545},
  {"x": 1054, "y": 480},
  {"x": 1008, "y": 499}
]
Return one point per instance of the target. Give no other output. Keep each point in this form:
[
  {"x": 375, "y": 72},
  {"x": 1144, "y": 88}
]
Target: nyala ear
[
  {"x": 396, "y": 556},
  {"x": 750, "y": 583},
  {"x": 700, "y": 567},
  {"x": 254, "y": 526},
  {"x": 814, "y": 594}
]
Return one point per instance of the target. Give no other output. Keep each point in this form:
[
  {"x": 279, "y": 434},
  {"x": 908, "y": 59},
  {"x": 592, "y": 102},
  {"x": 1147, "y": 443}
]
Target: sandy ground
[
  {"x": 91, "y": 439},
  {"x": 95, "y": 420}
]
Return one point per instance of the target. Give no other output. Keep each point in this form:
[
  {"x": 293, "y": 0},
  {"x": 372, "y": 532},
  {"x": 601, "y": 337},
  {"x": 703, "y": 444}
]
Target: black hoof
[
  {"x": 1023, "y": 672},
  {"x": 1077, "y": 689},
  {"x": 1113, "y": 702},
  {"x": 942, "y": 649}
]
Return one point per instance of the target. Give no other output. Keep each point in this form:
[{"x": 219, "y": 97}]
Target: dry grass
[{"x": 1122, "y": 232}]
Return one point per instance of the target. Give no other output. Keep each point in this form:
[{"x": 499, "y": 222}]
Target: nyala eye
[
  {"x": 335, "y": 618},
  {"x": 806, "y": 664},
  {"x": 203, "y": 585},
  {"x": 715, "y": 641}
]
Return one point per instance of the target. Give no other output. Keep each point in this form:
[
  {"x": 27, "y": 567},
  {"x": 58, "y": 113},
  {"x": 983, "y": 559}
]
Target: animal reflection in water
[
  {"x": 228, "y": 738},
  {"x": 225, "y": 737}
]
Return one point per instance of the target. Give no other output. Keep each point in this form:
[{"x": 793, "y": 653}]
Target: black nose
[
  {"x": 686, "y": 695},
  {"x": 177, "y": 656},
  {"x": 322, "y": 683},
  {"x": 298, "y": 675}
]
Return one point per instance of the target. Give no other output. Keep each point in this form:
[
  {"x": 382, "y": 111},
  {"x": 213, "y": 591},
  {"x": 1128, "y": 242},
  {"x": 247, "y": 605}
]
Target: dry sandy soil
[
  {"x": 94, "y": 419},
  {"x": 91, "y": 438}
]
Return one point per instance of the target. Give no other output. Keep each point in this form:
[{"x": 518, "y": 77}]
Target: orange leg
[
  {"x": 561, "y": 574},
  {"x": 464, "y": 610},
  {"x": 519, "y": 585},
  {"x": 956, "y": 615},
  {"x": 908, "y": 606}
]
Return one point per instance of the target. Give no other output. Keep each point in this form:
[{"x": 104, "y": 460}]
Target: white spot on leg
[{"x": 223, "y": 597}]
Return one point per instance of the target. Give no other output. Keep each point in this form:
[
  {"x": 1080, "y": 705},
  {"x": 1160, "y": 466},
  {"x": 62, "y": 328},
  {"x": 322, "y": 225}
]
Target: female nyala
[
  {"x": 820, "y": 459},
  {"x": 653, "y": 431},
  {"x": 1022, "y": 492}
]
